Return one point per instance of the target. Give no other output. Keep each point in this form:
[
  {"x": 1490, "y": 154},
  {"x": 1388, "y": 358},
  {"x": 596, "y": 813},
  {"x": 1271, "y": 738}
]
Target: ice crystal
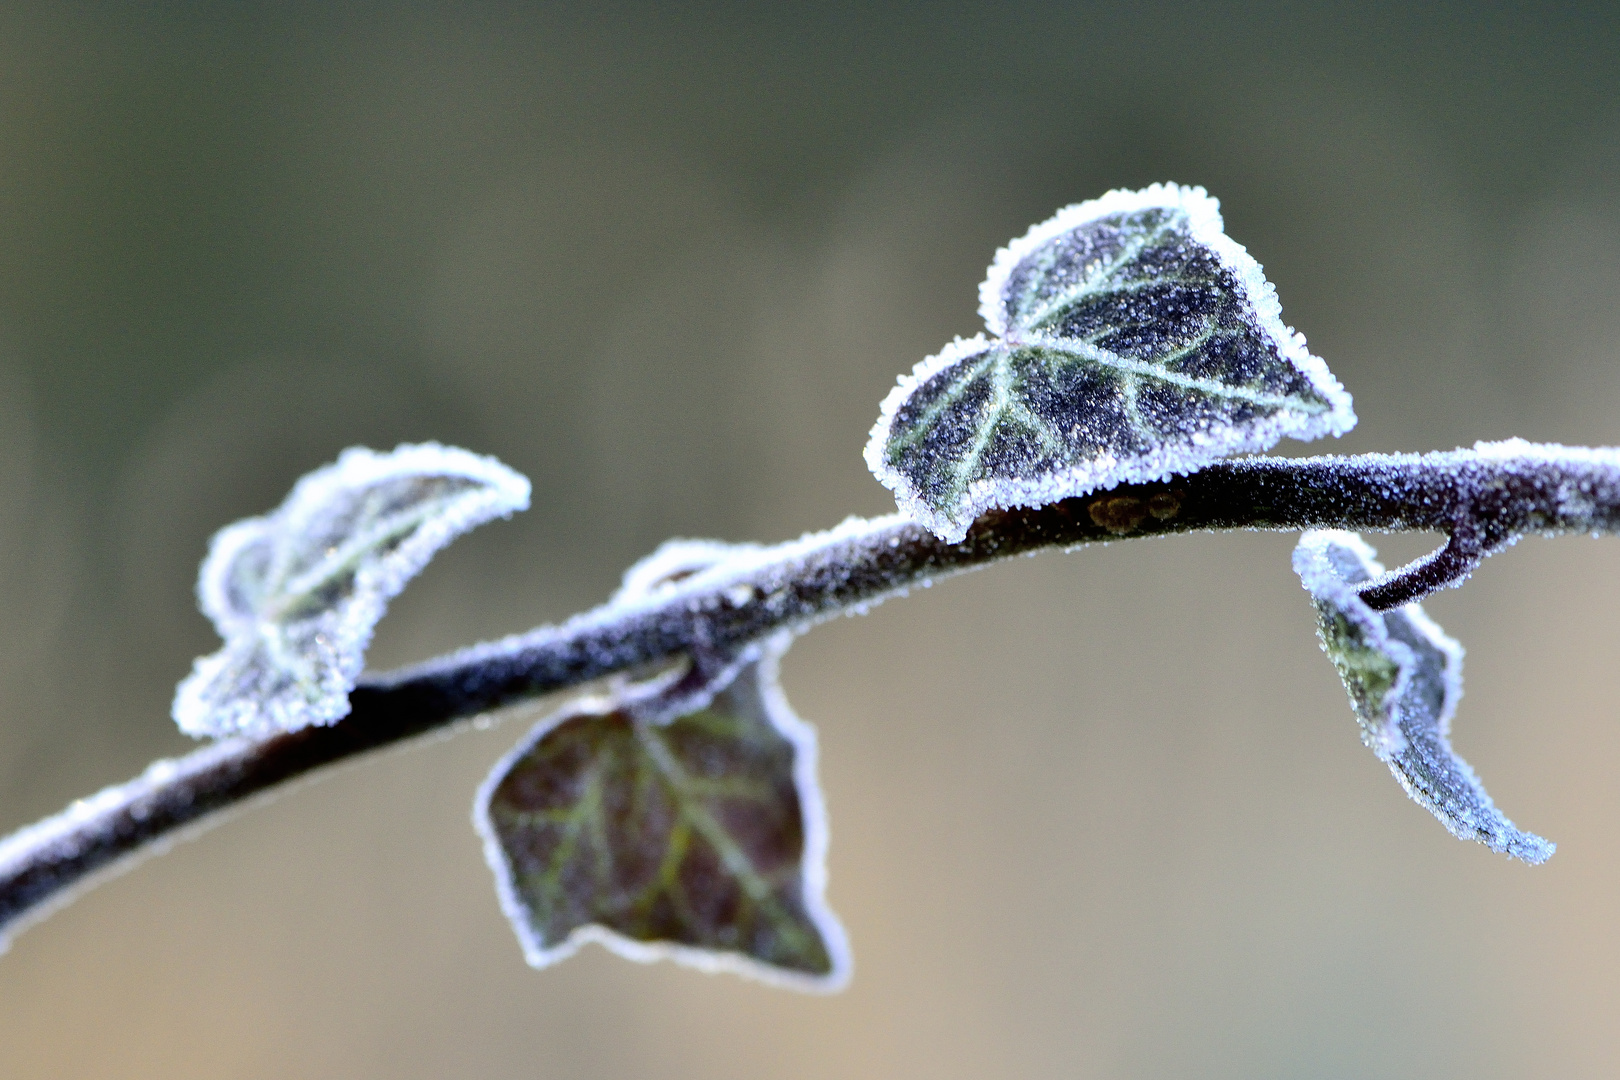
[
  {"x": 1130, "y": 338},
  {"x": 296, "y": 593}
]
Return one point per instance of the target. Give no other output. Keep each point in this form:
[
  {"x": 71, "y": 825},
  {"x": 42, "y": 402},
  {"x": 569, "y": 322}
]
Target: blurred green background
[{"x": 1096, "y": 815}]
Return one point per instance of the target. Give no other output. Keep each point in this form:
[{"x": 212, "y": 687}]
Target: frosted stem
[{"x": 1482, "y": 499}]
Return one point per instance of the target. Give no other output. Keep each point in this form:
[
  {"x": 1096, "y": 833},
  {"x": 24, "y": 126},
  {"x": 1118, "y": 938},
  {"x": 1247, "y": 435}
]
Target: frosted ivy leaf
[
  {"x": 701, "y": 840},
  {"x": 1129, "y": 338},
  {"x": 296, "y": 593},
  {"x": 1404, "y": 677}
]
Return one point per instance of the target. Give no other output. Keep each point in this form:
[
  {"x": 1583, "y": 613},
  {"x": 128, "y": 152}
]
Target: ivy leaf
[
  {"x": 702, "y": 840},
  {"x": 1130, "y": 338},
  {"x": 296, "y": 593},
  {"x": 1404, "y": 677}
]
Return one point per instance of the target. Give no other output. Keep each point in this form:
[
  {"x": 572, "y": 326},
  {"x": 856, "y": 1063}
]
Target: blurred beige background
[{"x": 1097, "y": 815}]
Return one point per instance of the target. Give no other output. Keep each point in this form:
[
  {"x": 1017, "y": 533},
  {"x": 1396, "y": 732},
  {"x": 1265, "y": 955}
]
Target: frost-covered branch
[{"x": 1483, "y": 500}]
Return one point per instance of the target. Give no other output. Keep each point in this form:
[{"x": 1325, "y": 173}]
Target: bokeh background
[{"x": 1096, "y": 815}]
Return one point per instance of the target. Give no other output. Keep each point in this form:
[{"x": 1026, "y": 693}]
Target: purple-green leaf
[{"x": 702, "y": 839}]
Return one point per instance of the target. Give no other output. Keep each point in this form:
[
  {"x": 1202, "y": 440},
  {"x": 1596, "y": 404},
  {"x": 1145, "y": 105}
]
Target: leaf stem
[{"x": 1483, "y": 499}]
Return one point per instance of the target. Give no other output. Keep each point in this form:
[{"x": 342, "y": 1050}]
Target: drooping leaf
[
  {"x": 1404, "y": 678},
  {"x": 296, "y": 593},
  {"x": 702, "y": 839},
  {"x": 1130, "y": 338}
]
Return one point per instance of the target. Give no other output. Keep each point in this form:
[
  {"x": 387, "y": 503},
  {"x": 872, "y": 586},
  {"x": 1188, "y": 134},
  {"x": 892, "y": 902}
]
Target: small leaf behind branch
[
  {"x": 296, "y": 593},
  {"x": 702, "y": 671},
  {"x": 1130, "y": 339},
  {"x": 702, "y": 840},
  {"x": 1404, "y": 678}
]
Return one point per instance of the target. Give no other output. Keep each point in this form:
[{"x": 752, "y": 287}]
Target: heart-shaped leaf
[
  {"x": 702, "y": 839},
  {"x": 1404, "y": 677},
  {"x": 1130, "y": 338},
  {"x": 296, "y": 594}
]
